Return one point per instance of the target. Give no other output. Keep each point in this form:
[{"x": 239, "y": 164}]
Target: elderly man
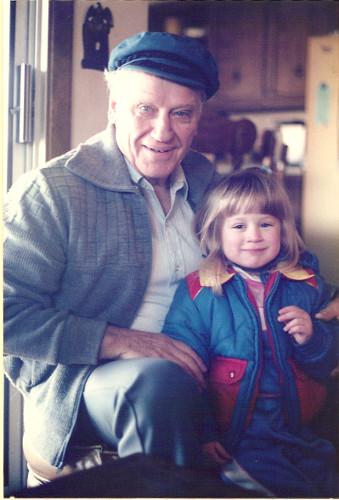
[{"x": 96, "y": 243}]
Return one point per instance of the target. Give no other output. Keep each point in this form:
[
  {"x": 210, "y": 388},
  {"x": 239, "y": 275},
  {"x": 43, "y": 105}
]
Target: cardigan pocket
[
  {"x": 225, "y": 378},
  {"x": 311, "y": 393},
  {"x": 34, "y": 373}
]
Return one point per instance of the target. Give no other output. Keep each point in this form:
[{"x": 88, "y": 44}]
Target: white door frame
[{"x": 27, "y": 44}]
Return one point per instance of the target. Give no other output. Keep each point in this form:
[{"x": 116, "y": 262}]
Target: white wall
[{"x": 89, "y": 97}]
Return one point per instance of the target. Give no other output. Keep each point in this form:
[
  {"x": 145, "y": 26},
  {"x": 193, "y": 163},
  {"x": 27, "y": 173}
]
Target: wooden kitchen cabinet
[
  {"x": 235, "y": 37},
  {"x": 260, "y": 46},
  {"x": 288, "y": 30},
  {"x": 290, "y": 24}
]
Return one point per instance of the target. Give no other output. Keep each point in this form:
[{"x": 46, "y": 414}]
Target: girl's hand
[
  {"x": 216, "y": 452},
  {"x": 298, "y": 323}
]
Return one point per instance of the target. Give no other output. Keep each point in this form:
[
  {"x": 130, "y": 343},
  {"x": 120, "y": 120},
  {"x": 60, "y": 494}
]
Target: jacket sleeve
[
  {"x": 184, "y": 322},
  {"x": 318, "y": 356},
  {"x": 35, "y": 250}
]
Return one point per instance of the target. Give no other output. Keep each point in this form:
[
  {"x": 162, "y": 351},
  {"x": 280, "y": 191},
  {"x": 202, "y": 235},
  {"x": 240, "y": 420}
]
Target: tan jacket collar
[{"x": 214, "y": 273}]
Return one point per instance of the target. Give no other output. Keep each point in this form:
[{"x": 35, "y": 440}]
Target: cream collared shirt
[{"x": 175, "y": 249}]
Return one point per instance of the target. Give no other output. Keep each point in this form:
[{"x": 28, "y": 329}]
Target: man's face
[{"x": 155, "y": 122}]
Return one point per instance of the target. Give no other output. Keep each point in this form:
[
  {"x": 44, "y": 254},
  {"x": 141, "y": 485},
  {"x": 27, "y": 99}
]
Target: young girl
[{"x": 249, "y": 313}]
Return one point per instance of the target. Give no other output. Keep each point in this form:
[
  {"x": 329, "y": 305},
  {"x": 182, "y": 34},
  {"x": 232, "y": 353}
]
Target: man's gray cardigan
[{"x": 77, "y": 255}]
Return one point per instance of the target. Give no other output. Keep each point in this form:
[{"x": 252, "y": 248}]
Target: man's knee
[
  {"x": 151, "y": 372},
  {"x": 163, "y": 378},
  {"x": 144, "y": 380},
  {"x": 146, "y": 405},
  {"x": 164, "y": 394}
]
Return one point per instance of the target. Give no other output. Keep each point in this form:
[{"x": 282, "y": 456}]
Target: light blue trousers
[{"x": 149, "y": 406}]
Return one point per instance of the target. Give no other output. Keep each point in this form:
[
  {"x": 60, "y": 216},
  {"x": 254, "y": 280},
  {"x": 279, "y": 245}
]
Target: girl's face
[{"x": 250, "y": 239}]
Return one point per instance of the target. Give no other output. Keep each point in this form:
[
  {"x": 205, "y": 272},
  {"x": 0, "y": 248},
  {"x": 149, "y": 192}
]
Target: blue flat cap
[{"x": 180, "y": 59}]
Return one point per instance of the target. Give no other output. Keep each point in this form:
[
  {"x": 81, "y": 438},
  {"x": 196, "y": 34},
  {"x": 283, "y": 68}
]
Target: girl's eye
[
  {"x": 266, "y": 224},
  {"x": 238, "y": 226}
]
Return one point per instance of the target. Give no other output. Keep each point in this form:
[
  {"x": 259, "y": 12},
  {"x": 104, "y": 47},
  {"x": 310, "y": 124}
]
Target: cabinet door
[
  {"x": 236, "y": 37},
  {"x": 259, "y": 45},
  {"x": 290, "y": 24}
]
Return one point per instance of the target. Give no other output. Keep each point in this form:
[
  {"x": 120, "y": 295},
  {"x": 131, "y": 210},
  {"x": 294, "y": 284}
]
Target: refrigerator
[{"x": 320, "y": 205}]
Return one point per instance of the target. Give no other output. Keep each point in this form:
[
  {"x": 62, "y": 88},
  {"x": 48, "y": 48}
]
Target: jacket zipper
[
  {"x": 284, "y": 379},
  {"x": 240, "y": 417}
]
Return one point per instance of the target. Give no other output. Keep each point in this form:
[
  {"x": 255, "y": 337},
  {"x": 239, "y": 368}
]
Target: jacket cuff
[
  {"x": 83, "y": 343},
  {"x": 312, "y": 348}
]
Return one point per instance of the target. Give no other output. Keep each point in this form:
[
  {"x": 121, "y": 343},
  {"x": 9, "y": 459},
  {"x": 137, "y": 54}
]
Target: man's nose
[{"x": 162, "y": 128}]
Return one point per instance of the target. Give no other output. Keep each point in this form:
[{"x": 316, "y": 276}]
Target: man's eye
[
  {"x": 145, "y": 109},
  {"x": 185, "y": 114}
]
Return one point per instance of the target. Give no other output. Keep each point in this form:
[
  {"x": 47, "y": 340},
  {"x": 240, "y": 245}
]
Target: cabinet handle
[{"x": 299, "y": 71}]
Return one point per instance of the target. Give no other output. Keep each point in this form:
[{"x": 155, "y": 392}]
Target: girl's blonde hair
[{"x": 250, "y": 190}]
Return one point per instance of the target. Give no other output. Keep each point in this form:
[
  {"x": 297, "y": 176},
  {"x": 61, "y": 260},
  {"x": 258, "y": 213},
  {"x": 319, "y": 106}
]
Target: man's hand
[
  {"x": 121, "y": 343},
  {"x": 216, "y": 452},
  {"x": 298, "y": 323},
  {"x": 330, "y": 312}
]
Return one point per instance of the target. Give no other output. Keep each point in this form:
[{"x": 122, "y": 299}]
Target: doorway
[{"x": 25, "y": 60}]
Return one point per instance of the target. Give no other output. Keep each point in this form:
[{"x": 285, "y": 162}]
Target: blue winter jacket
[{"x": 225, "y": 331}]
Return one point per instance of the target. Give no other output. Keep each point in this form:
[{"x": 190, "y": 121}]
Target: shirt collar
[{"x": 178, "y": 179}]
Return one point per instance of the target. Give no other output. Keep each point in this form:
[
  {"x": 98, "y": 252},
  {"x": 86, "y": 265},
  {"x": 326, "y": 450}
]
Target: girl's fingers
[
  {"x": 296, "y": 325},
  {"x": 300, "y": 329},
  {"x": 290, "y": 313},
  {"x": 289, "y": 310}
]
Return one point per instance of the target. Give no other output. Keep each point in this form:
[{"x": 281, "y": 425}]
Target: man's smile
[{"x": 159, "y": 150}]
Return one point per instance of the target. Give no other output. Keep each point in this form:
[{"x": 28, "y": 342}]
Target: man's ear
[{"x": 111, "y": 111}]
